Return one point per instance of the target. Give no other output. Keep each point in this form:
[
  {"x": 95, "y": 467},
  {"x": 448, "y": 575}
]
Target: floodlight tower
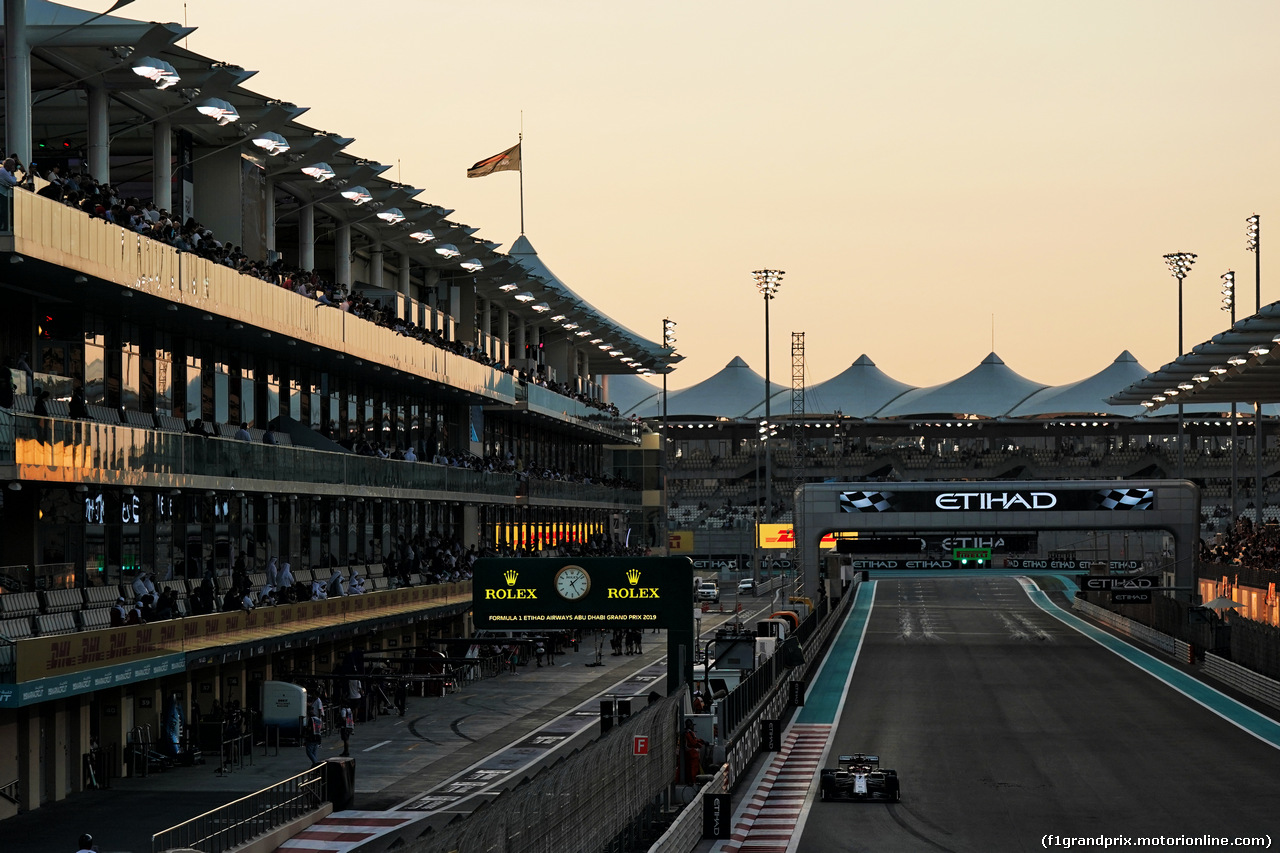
[
  {"x": 767, "y": 282},
  {"x": 1179, "y": 265}
]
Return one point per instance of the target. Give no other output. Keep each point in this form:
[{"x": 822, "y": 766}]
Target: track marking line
[{"x": 1239, "y": 715}]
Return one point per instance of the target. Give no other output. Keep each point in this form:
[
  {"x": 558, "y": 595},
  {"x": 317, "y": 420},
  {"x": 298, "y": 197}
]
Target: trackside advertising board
[{"x": 598, "y": 592}]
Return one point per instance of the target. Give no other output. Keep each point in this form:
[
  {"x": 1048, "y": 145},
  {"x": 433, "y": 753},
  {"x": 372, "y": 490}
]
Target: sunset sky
[{"x": 919, "y": 168}]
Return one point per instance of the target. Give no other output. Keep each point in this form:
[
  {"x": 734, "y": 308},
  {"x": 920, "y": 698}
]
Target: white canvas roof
[
  {"x": 730, "y": 393},
  {"x": 989, "y": 390},
  {"x": 859, "y": 391},
  {"x": 1087, "y": 396}
]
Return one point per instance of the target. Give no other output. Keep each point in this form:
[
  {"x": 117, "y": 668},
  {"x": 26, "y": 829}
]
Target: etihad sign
[{"x": 995, "y": 500}]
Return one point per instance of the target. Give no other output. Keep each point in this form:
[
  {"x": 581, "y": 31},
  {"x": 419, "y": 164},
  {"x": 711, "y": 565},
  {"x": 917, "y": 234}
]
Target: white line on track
[{"x": 375, "y": 746}]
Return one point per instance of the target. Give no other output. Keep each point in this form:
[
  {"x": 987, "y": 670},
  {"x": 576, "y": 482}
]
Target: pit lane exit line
[{"x": 1242, "y": 716}]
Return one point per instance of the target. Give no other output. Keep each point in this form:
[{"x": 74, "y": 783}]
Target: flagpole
[{"x": 520, "y": 142}]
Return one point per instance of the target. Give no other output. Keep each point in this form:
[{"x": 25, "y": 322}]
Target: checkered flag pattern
[
  {"x": 866, "y": 501},
  {"x": 1125, "y": 498}
]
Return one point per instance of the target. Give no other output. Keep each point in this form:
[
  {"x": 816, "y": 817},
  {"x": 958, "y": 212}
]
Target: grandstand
[{"x": 227, "y": 340}]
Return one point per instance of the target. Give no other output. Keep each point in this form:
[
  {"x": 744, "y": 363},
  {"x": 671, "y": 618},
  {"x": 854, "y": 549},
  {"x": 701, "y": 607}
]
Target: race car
[{"x": 859, "y": 777}]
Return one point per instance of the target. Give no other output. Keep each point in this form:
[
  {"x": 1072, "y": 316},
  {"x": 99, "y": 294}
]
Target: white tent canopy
[
  {"x": 859, "y": 391},
  {"x": 731, "y": 393},
  {"x": 1087, "y": 396},
  {"x": 989, "y": 390}
]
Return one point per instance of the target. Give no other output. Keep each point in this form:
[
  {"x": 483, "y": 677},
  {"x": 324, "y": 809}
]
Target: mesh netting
[{"x": 578, "y": 804}]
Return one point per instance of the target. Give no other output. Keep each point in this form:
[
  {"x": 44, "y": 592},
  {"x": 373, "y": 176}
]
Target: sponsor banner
[
  {"x": 595, "y": 592},
  {"x": 877, "y": 565},
  {"x": 717, "y": 816},
  {"x": 1114, "y": 566},
  {"x": 74, "y": 684},
  {"x": 1097, "y": 584},
  {"x": 680, "y": 542},
  {"x": 1010, "y": 500},
  {"x": 784, "y": 536},
  {"x": 1130, "y": 597},
  {"x": 741, "y": 563}
]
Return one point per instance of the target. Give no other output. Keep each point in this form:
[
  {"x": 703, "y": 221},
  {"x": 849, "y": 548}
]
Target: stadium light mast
[
  {"x": 668, "y": 344},
  {"x": 767, "y": 282},
  {"x": 1179, "y": 265},
  {"x": 1253, "y": 236},
  {"x": 1229, "y": 304}
]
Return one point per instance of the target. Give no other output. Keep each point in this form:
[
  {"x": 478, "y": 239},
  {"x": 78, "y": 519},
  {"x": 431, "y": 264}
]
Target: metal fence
[
  {"x": 582, "y": 803},
  {"x": 248, "y": 817}
]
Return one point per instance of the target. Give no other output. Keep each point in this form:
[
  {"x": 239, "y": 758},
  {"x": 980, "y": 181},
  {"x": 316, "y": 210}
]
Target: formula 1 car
[{"x": 859, "y": 777}]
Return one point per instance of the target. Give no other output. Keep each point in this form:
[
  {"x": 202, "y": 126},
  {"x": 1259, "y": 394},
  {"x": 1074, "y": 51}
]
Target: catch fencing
[{"x": 584, "y": 802}]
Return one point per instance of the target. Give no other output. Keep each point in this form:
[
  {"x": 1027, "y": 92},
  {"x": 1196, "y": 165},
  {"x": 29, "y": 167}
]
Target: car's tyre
[{"x": 822, "y": 793}]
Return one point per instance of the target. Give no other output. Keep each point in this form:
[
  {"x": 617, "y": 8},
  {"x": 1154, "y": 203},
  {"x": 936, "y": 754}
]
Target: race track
[{"x": 1005, "y": 726}]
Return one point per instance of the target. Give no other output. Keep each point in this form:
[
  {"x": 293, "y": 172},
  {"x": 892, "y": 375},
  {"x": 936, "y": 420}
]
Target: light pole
[
  {"x": 1180, "y": 264},
  {"x": 1253, "y": 238},
  {"x": 1229, "y": 304},
  {"x": 767, "y": 282},
  {"x": 668, "y": 344}
]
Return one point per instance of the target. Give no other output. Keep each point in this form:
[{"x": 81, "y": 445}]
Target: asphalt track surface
[{"x": 1005, "y": 725}]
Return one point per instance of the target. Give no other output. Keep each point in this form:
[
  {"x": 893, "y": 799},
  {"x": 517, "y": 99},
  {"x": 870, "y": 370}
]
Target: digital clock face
[{"x": 572, "y": 582}]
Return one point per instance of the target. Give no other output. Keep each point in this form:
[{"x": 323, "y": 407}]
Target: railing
[
  {"x": 555, "y": 403},
  {"x": 248, "y": 817},
  {"x": 51, "y": 231},
  {"x": 587, "y": 492},
  {"x": 10, "y": 792},
  {"x": 88, "y": 451}
]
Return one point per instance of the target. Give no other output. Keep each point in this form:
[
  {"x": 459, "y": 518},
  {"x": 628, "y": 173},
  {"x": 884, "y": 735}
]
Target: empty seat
[
  {"x": 19, "y": 604},
  {"x": 169, "y": 423},
  {"x": 225, "y": 430},
  {"x": 59, "y": 408},
  {"x": 101, "y": 596},
  {"x": 52, "y": 624},
  {"x": 63, "y": 600},
  {"x": 142, "y": 420},
  {"x": 16, "y": 629},
  {"x": 96, "y": 619},
  {"x": 24, "y": 403},
  {"x": 104, "y": 414}
]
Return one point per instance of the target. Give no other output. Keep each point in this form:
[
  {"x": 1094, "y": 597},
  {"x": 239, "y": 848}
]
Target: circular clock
[{"x": 572, "y": 582}]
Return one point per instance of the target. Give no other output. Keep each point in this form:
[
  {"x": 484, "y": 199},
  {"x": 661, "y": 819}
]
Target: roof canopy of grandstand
[
  {"x": 142, "y": 85},
  {"x": 1240, "y": 364},
  {"x": 859, "y": 391},
  {"x": 863, "y": 391},
  {"x": 730, "y": 393}
]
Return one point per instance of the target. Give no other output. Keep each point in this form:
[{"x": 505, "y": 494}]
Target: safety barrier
[
  {"x": 1171, "y": 646},
  {"x": 1245, "y": 680},
  {"x": 745, "y": 740},
  {"x": 685, "y": 831},
  {"x": 248, "y": 817}
]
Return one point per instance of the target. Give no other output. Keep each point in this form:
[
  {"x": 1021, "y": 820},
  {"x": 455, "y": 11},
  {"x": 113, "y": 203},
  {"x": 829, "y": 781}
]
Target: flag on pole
[{"x": 507, "y": 161}]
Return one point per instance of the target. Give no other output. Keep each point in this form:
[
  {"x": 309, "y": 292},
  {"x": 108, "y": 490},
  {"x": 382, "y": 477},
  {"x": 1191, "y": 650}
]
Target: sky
[{"x": 932, "y": 176}]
